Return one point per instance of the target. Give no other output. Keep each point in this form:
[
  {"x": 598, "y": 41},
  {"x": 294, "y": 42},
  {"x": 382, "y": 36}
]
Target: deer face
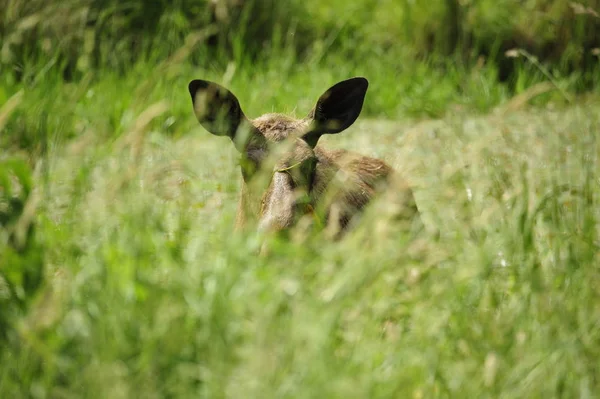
[{"x": 281, "y": 146}]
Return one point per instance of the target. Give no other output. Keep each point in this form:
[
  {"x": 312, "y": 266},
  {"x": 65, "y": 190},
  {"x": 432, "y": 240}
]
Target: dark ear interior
[
  {"x": 216, "y": 108},
  {"x": 337, "y": 109}
]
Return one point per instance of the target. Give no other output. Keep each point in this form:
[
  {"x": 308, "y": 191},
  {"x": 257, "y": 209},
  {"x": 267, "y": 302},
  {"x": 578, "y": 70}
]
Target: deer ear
[
  {"x": 218, "y": 110},
  {"x": 337, "y": 109}
]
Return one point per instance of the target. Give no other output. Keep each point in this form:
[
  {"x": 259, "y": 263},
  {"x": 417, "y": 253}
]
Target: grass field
[
  {"x": 149, "y": 294},
  {"x": 121, "y": 275}
]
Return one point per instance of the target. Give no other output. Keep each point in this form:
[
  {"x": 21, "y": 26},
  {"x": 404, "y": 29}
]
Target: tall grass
[
  {"x": 119, "y": 272},
  {"x": 428, "y": 59},
  {"x": 89, "y": 33},
  {"x": 148, "y": 293}
]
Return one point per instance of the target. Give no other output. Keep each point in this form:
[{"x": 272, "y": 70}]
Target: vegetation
[{"x": 119, "y": 272}]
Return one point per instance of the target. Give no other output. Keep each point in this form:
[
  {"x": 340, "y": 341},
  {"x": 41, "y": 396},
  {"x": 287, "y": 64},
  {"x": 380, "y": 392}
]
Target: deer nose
[
  {"x": 266, "y": 224},
  {"x": 273, "y": 224},
  {"x": 264, "y": 249}
]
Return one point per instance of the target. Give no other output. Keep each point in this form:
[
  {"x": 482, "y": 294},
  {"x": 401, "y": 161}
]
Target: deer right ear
[
  {"x": 217, "y": 109},
  {"x": 337, "y": 109}
]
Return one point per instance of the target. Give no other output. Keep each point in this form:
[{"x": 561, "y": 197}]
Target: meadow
[{"x": 121, "y": 275}]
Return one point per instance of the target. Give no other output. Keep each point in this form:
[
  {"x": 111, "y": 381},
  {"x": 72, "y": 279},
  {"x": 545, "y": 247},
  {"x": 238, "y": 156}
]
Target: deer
[{"x": 330, "y": 188}]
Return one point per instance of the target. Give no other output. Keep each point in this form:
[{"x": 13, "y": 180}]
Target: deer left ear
[
  {"x": 216, "y": 108},
  {"x": 218, "y": 111},
  {"x": 337, "y": 109}
]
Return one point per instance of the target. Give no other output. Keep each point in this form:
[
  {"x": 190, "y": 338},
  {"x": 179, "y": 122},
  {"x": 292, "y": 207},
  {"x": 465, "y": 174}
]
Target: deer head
[{"x": 299, "y": 171}]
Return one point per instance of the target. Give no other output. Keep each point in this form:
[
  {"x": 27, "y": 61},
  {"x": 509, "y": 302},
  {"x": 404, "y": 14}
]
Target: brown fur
[
  {"x": 344, "y": 182},
  {"x": 334, "y": 185}
]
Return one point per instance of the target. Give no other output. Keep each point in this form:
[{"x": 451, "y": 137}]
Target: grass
[
  {"x": 107, "y": 103},
  {"x": 110, "y": 187},
  {"x": 148, "y": 293}
]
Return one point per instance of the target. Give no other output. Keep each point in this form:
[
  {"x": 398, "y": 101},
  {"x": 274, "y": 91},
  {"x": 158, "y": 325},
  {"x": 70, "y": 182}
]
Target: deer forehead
[{"x": 278, "y": 127}]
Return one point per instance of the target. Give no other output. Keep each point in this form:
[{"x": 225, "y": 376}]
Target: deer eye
[
  {"x": 305, "y": 172},
  {"x": 302, "y": 200},
  {"x": 249, "y": 167}
]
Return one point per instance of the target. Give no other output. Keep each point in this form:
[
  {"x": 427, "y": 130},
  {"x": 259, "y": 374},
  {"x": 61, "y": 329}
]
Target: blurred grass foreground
[{"x": 120, "y": 275}]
